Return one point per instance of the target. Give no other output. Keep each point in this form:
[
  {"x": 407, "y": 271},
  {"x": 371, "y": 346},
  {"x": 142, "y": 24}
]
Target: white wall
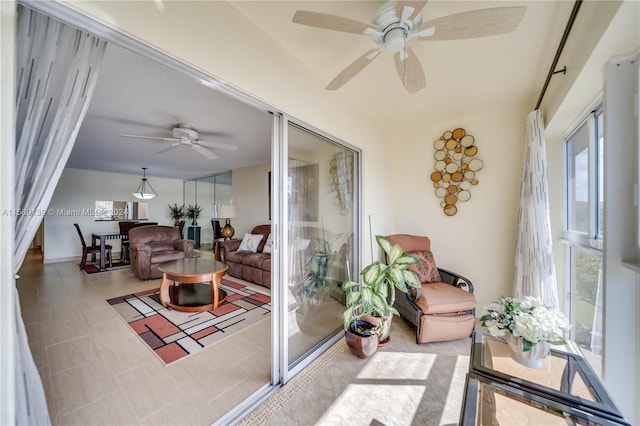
[
  {"x": 79, "y": 189},
  {"x": 621, "y": 291},
  {"x": 479, "y": 241},
  {"x": 250, "y": 190}
]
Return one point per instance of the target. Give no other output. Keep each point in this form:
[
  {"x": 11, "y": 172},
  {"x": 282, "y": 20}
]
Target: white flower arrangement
[{"x": 527, "y": 318}]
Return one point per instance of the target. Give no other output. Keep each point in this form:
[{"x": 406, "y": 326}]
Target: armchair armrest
[
  {"x": 406, "y": 306},
  {"x": 183, "y": 244},
  {"x": 227, "y": 246},
  {"x": 456, "y": 280},
  {"x": 140, "y": 247},
  {"x": 230, "y": 245}
]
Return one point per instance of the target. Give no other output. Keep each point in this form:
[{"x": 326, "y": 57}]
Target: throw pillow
[
  {"x": 426, "y": 268},
  {"x": 267, "y": 245},
  {"x": 250, "y": 243}
]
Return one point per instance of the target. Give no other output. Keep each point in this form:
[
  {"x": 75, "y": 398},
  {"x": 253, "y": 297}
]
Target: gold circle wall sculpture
[{"x": 456, "y": 168}]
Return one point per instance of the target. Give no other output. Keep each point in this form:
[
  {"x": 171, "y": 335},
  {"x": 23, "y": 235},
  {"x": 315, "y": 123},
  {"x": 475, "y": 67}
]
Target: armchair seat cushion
[
  {"x": 161, "y": 246},
  {"x": 166, "y": 256},
  {"x": 441, "y": 298},
  {"x": 255, "y": 260},
  {"x": 234, "y": 256}
]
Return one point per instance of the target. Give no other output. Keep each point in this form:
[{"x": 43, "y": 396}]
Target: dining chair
[
  {"x": 125, "y": 227},
  {"x": 86, "y": 250}
]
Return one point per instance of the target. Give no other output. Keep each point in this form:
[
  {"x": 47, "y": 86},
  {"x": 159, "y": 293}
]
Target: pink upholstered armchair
[{"x": 444, "y": 307}]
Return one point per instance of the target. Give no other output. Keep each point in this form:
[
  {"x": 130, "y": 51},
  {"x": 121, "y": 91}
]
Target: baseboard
[{"x": 115, "y": 254}]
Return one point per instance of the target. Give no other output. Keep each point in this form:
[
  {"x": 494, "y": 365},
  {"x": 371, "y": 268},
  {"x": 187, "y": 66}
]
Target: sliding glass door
[{"x": 321, "y": 211}]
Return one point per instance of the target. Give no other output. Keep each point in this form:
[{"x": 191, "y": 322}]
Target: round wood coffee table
[{"x": 196, "y": 284}]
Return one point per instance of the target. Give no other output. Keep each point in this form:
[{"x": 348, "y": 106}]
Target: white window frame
[{"x": 592, "y": 240}]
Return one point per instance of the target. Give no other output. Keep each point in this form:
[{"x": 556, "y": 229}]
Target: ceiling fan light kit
[
  {"x": 142, "y": 193},
  {"x": 397, "y": 23}
]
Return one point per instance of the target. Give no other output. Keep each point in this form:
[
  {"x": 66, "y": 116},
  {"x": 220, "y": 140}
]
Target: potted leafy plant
[
  {"x": 176, "y": 212},
  {"x": 193, "y": 213},
  {"x": 374, "y": 297}
]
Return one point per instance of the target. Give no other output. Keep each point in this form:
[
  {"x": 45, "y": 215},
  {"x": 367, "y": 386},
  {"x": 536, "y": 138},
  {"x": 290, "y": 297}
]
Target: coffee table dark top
[{"x": 192, "y": 266}]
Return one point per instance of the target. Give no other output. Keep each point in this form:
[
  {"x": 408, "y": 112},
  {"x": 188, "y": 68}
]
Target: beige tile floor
[{"x": 95, "y": 370}]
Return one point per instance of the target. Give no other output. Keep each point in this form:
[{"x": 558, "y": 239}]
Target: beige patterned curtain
[{"x": 535, "y": 273}]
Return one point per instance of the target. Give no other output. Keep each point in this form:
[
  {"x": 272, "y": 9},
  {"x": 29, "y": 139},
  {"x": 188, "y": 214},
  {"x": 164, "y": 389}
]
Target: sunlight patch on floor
[
  {"x": 360, "y": 405},
  {"x": 453, "y": 403},
  {"x": 398, "y": 366}
]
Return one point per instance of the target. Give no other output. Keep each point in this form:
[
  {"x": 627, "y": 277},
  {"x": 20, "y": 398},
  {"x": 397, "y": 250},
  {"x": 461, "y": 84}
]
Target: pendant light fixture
[{"x": 141, "y": 193}]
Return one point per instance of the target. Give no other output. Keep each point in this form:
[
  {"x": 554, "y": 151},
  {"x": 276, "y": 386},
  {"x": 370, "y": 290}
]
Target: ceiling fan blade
[
  {"x": 169, "y": 148},
  {"x": 417, "y": 7},
  {"x": 476, "y": 23},
  {"x": 204, "y": 151},
  {"x": 331, "y": 22},
  {"x": 354, "y": 68},
  {"x": 410, "y": 71},
  {"x": 150, "y": 137},
  {"x": 218, "y": 145}
]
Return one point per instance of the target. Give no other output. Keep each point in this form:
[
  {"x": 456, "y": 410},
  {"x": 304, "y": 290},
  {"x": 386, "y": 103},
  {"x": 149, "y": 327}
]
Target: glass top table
[{"x": 565, "y": 390}]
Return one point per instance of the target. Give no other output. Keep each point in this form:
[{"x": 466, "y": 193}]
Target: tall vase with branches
[{"x": 176, "y": 212}]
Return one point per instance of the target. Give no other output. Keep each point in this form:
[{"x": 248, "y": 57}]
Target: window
[
  {"x": 584, "y": 201},
  {"x": 578, "y": 185}
]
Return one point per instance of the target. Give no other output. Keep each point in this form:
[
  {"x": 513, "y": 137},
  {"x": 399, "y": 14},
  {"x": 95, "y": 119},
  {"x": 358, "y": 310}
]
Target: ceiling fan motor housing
[
  {"x": 184, "y": 131},
  {"x": 394, "y": 31}
]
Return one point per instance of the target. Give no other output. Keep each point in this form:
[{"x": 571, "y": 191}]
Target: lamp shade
[
  {"x": 224, "y": 211},
  {"x": 145, "y": 191}
]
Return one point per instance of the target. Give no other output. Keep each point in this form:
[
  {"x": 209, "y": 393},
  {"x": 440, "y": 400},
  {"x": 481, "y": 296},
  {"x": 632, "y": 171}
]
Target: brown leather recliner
[
  {"x": 149, "y": 246},
  {"x": 442, "y": 310}
]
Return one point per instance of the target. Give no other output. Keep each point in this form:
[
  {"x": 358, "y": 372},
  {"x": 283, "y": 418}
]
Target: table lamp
[{"x": 227, "y": 212}]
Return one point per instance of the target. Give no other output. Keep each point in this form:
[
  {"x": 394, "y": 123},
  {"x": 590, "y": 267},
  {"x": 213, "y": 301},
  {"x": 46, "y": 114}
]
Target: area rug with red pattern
[
  {"x": 173, "y": 335},
  {"x": 94, "y": 268}
]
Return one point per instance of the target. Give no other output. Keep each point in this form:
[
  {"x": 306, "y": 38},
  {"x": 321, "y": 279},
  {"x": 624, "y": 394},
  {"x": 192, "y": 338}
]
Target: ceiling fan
[
  {"x": 396, "y": 23},
  {"x": 184, "y": 134}
]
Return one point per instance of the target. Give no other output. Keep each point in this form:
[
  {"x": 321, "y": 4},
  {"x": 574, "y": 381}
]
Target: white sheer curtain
[
  {"x": 56, "y": 72},
  {"x": 57, "y": 68},
  {"x": 535, "y": 273}
]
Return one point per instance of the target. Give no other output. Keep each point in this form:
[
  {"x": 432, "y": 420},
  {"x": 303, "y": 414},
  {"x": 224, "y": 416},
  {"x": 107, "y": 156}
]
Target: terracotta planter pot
[
  {"x": 385, "y": 342},
  {"x": 361, "y": 345}
]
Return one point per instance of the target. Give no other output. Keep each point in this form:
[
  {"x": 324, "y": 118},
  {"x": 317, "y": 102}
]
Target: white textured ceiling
[
  {"x": 464, "y": 77},
  {"x": 135, "y": 96}
]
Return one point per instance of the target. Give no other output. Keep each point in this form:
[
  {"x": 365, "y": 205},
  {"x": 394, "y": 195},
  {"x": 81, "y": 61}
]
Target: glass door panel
[{"x": 321, "y": 193}]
